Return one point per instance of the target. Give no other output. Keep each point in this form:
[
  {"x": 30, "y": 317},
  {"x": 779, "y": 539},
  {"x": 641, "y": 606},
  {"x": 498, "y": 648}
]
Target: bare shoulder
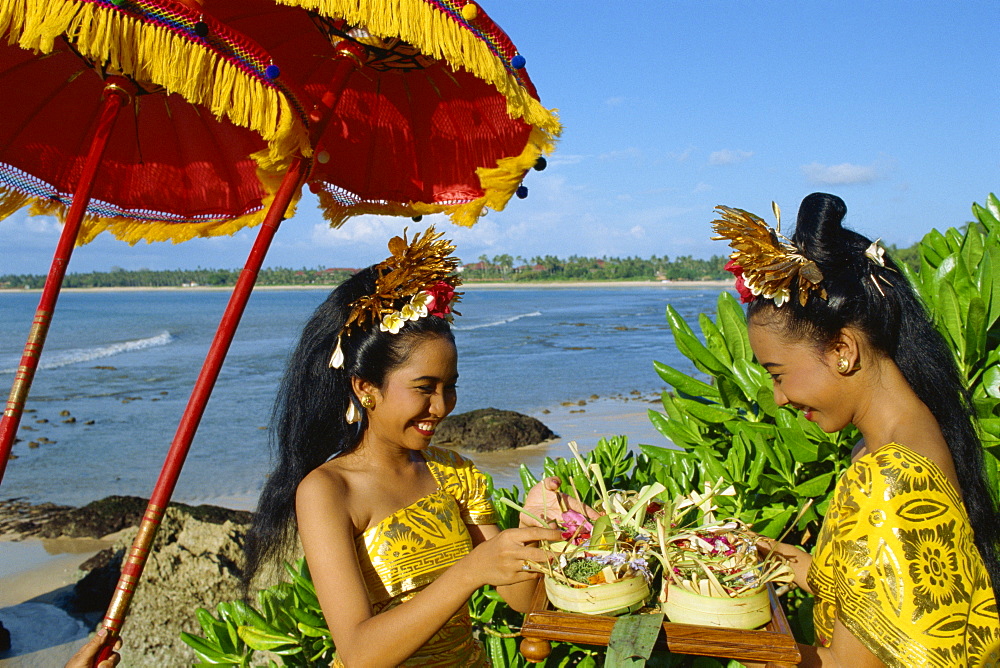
[{"x": 325, "y": 488}]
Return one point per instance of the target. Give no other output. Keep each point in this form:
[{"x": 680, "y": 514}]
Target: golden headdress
[
  {"x": 769, "y": 262},
  {"x": 417, "y": 280}
]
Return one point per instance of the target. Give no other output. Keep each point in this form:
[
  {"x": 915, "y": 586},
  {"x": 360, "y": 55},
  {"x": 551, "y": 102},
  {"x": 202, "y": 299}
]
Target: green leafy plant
[{"x": 288, "y": 624}]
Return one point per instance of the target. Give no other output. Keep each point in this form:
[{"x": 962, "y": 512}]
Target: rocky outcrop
[
  {"x": 488, "y": 429},
  {"x": 193, "y": 564},
  {"x": 94, "y": 520}
]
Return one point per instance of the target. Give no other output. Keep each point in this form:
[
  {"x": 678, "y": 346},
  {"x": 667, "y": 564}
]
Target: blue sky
[{"x": 671, "y": 107}]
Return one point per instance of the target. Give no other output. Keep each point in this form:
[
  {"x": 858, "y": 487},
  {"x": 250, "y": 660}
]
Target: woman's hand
[
  {"x": 544, "y": 501},
  {"x": 501, "y": 560},
  {"x": 84, "y": 657},
  {"x": 798, "y": 559}
]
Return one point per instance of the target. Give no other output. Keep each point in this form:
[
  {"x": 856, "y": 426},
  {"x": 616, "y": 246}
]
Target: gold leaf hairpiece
[
  {"x": 769, "y": 262},
  {"x": 416, "y": 280}
]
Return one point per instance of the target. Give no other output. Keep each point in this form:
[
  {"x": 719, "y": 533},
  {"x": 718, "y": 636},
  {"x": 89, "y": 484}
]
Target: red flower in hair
[
  {"x": 741, "y": 286},
  {"x": 442, "y": 295}
]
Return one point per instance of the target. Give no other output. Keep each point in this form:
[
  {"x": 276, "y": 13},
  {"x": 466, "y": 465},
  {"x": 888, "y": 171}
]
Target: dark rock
[
  {"x": 95, "y": 589},
  {"x": 4, "y": 638},
  {"x": 96, "y": 519},
  {"x": 488, "y": 429}
]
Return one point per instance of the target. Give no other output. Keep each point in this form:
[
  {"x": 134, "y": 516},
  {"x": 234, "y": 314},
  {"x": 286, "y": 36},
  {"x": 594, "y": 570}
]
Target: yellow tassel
[
  {"x": 499, "y": 184},
  {"x": 152, "y": 54},
  {"x": 438, "y": 36}
]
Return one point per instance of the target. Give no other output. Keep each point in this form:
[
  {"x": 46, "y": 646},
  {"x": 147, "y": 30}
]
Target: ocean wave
[
  {"x": 54, "y": 360},
  {"x": 505, "y": 321}
]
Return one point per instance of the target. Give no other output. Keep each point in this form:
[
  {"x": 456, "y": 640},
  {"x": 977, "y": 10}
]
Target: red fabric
[
  {"x": 399, "y": 136},
  {"x": 165, "y": 155}
]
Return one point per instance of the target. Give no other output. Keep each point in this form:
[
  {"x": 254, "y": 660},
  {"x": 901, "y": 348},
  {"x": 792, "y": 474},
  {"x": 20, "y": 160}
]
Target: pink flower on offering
[
  {"x": 741, "y": 287},
  {"x": 576, "y": 524},
  {"x": 441, "y": 294}
]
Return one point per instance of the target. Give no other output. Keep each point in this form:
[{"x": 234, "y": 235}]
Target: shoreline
[{"x": 486, "y": 285}]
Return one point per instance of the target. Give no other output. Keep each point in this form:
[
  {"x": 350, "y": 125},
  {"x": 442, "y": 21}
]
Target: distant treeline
[{"x": 497, "y": 268}]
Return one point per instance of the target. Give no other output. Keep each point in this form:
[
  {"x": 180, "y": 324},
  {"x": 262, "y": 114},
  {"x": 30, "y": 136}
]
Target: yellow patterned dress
[
  {"x": 896, "y": 564},
  {"x": 410, "y": 548}
]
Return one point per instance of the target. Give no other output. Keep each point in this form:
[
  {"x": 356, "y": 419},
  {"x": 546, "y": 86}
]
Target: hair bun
[{"x": 818, "y": 229}]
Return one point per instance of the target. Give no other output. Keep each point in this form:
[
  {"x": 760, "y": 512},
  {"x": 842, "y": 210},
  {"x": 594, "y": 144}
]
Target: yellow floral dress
[
  {"x": 895, "y": 562},
  {"x": 410, "y": 548}
]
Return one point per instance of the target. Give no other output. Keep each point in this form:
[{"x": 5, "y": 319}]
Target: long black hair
[
  {"x": 880, "y": 302},
  {"x": 309, "y": 424}
]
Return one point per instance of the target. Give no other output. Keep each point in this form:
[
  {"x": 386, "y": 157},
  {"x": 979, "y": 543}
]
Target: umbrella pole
[
  {"x": 116, "y": 94},
  {"x": 135, "y": 561}
]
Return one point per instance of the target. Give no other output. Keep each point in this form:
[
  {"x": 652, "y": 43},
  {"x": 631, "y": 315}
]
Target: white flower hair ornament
[{"x": 417, "y": 280}]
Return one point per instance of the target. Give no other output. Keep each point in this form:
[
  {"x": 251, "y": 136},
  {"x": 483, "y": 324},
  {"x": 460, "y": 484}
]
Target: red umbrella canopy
[
  {"x": 439, "y": 116},
  {"x": 203, "y": 117}
]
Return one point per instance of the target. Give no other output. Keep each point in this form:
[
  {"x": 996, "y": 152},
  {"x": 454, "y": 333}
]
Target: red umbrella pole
[
  {"x": 135, "y": 562},
  {"x": 116, "y": 94}
]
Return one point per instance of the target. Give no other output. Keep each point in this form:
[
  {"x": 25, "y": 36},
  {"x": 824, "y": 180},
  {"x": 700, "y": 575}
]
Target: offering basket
[{"x": 772, "y": 643}]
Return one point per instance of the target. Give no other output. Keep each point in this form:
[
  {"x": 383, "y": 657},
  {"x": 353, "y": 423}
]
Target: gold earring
[
  {"x": 368, "y": 401},
  {"x": 843, "y": 366},
  {"x": 353, "y": 414}
]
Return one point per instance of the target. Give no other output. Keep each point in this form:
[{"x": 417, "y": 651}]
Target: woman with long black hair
[
  {"x": 905, "y": 571},
  {"x": 397, "y": 533}
]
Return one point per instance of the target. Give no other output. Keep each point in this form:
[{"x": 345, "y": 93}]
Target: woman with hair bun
[
  {"x": 397, "y": 533},
  {"x": 905, "y": 571}
]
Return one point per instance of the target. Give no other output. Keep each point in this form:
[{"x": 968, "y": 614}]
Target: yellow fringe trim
[
  {"x": 438, "y": 36},
  {"x": 133, "y": 231},
  {"x": 153, "y": 54},
  {"x": 499, "y": 184}
]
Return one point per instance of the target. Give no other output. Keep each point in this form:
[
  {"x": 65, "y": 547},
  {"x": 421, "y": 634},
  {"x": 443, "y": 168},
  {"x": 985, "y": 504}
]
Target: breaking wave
[
  {"x": 54, "y": 360},
  {"x": 505, "y": 321}
]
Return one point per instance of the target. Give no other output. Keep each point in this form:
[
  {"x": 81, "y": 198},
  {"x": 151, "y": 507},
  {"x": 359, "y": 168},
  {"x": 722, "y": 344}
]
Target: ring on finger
[{"x": 525, "y": 566}]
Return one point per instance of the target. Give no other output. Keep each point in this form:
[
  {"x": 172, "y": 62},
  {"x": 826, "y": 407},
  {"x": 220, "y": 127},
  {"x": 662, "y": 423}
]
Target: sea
[{"x": 118, "y": 368}]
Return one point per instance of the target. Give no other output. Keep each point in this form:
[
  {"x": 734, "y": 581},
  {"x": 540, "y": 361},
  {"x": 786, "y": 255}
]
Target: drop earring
[{"x": 353, "y": 414}]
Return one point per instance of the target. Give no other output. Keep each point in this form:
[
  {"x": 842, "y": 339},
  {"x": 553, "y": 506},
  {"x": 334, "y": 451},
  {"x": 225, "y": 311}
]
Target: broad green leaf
[
  {"x": 527, "y": 478},
  {"x": 265, "y": 641},
  {"x": 989, "y": 218},
  {"x": 706, "y": 412},
  {"x": 935, "y": 246},
  {"x": 673, "y": 430},
  {"x": 815, "y": 486},
  {"x": 312, "y": 631},
  {"x": 750, "y": 377},
  {"x": 773, "y": 523},
  {"x": 632, "y": 639},
  {"x": 975, "y": 331},
  {"x": 949, "y": 319},
  {"x": 765, "y": 399},
  {"x": 733, "y": 322},
  {"x": 209, "y": 654},
  {"x": 691, "y": 347},
  {"x": 684, "y": 383},
  {"x": 714, "y": 339},
  {"x": 972, "y": 247}
]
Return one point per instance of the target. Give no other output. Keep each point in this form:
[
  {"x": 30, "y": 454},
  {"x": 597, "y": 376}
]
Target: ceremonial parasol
[
  {"x": 147, "y": 119},
  {"x": 380, "y": 133}
]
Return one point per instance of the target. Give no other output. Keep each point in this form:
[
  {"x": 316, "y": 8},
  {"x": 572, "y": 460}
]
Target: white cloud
[
  {"x": 638, "y": 232},
  {"x": 728, "y": 157},
  {"x": 630, "y": 152},
  {"x": 565, "y": 159},
  {"x": 683, "y": 155},
  {"x": 614, "y": 101},
  {"x": 842, "y": 174},
  {"x": 702, "y": 187}
]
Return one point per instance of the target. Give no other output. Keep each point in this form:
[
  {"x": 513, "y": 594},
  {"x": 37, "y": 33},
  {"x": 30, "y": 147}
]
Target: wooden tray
[{"x": 773, "y": 644}]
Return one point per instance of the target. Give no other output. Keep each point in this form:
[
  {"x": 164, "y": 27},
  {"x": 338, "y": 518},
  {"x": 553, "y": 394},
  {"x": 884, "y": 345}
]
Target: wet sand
[{"x": 34, "y": 575}]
